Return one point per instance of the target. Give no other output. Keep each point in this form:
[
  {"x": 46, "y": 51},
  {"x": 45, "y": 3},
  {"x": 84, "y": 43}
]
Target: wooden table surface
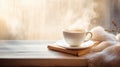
[{"x": 35, "y": 53}]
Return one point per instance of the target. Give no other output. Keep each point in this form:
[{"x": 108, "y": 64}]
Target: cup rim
[{"x": 69, "y": 31}]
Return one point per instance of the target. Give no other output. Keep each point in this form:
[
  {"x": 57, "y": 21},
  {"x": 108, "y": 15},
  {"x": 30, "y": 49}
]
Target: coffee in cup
[{"x": 75, "y": 37}]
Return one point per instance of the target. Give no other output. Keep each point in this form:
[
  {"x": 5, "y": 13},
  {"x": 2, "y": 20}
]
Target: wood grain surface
[{"x": 35, "y": 53}]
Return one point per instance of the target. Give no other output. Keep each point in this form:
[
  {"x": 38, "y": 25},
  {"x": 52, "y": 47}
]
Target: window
[{"x": 44, "y": 19}]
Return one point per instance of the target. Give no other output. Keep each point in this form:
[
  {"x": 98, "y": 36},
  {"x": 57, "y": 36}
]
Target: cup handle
[{"x": 90, "y": 36}]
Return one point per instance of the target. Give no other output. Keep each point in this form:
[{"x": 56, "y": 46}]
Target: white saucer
[{"x": 84, "y": 45}]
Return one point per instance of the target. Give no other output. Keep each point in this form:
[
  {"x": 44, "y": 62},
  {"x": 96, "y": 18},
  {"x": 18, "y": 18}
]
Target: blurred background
[{"x": 45, "y": 19}]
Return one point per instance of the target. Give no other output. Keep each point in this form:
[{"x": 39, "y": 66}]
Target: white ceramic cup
[{"x": 75, "y": 37}]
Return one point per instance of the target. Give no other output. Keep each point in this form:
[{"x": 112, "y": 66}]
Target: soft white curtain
[{"x": 44, "y": 19}]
